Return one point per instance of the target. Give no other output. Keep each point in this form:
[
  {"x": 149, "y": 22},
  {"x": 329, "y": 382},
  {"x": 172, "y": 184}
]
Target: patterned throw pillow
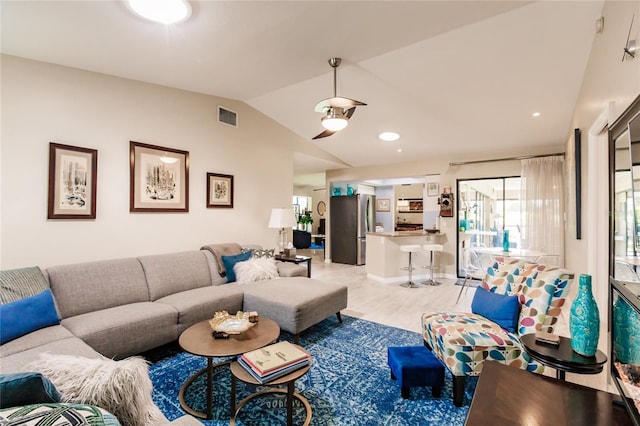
[
  {"x": 54, "y": 414},
  {"x": 258, "y": 253},
  {"x": 534, "y": 296},
  {"x": 16, "y": 284}
]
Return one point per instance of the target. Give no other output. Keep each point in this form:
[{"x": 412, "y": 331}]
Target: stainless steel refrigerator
[{"x": 352, "y": 216}]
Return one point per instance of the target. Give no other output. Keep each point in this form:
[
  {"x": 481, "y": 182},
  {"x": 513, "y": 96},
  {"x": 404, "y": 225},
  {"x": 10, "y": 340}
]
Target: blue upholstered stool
[{"x": 415, "y": 366}]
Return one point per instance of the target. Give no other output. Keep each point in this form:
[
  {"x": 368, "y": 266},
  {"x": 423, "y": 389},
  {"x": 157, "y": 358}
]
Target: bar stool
[
  {"x": 410, "y": 248},
  {"x": 432, "y": 248}
]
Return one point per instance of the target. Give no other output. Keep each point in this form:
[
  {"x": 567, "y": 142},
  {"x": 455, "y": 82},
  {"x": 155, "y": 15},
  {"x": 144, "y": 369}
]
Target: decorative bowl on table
[{"x": 223, "y": 322}]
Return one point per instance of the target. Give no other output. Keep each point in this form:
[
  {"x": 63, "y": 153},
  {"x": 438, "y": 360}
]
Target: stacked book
[{"x": 274, "y": 361}]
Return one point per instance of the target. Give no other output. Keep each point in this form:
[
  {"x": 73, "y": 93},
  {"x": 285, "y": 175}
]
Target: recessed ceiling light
[
  {"x": 163, "y": 11},
  {"x": 399, "y": 149},
  {"x": 536, "y": 114},
  {"x": 389, "y": 136}
]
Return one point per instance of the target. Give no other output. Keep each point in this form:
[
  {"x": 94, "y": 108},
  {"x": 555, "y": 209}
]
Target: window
[{"x": 486, "y": 208}]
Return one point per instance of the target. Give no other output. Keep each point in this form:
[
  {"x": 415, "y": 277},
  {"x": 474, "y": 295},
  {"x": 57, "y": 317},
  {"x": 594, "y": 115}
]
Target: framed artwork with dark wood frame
[
  {"x": 159, "y": 179},
  {"x": 219, "y": 190},
  {"x": 72, "y": 182}
]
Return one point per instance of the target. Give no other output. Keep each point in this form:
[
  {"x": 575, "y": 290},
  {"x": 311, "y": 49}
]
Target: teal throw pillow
[
  {"x": 499, "y": 308},
  {"x": 26, "y": 388},
  {"x": 230, "y": 262},
  {"x": 27, "y": 315}
]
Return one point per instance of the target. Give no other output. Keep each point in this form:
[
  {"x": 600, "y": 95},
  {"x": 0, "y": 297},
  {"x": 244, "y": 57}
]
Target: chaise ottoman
[
  {"x": 296, "y": 303},
  {"x": 415, "y": 366}
]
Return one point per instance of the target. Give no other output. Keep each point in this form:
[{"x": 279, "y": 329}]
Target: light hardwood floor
[{"x": 396, "y": 306}]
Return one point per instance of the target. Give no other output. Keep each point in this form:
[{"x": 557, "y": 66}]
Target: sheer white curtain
[{"x": 542, "y": 198}]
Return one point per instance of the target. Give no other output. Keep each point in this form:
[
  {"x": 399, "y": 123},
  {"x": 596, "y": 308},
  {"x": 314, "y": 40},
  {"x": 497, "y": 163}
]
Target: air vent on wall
[{"x": 228, "y": 117}]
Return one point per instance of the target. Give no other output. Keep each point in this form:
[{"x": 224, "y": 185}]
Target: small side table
[
  {"x": 562, "y": 357},
  {"x": 297, "y": 260},
  {"x": 238, "y": 372}
]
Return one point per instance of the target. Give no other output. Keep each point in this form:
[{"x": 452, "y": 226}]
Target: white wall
[{"x": 44, "y": 103}]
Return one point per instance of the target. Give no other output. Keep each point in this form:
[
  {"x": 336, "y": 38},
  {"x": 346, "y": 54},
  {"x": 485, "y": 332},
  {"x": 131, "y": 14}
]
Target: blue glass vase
[
  {"x": 584, "y": 322},
  {"x": 626, "y": 335},
  {"x": 505, "y": 241}
]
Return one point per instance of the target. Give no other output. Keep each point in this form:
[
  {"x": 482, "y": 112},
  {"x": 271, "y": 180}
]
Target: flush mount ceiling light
[
  {"x": 389, "y": 136},
  {"x": 163, "y": 11},
  {"x": 536, "y": 114},
  {"x": 335, "y": 120}
]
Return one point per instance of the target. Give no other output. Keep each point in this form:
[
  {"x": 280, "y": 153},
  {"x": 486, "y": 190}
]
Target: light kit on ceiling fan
[
  {"x": 337, "y": 110},
  {"x": 334, "y": 120}
]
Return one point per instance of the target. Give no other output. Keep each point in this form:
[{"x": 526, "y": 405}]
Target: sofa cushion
[
  {"x": 26, "y": 315},
  {"x": 35, "y": 338},
  {"x": 502, "y": 274},
  {"x": 26, "y": 388},
  {"x": 121, "y": 387},
  {"x": 18, "y": 362},
  {"x": 499, "y": 308},
  {"x": 199, "y": 304},
  {"x": 54, "y": 414},
  {"x": 295, "y": 303},
  {"x": 231, "y": 261},
  {"x": 256, "y": 269},
  {"x": 92, "y": 286},
  {"x": 175, "y": 272},
  {"x": 16, "y": 284},
  {"x": 126, "y": 330}
]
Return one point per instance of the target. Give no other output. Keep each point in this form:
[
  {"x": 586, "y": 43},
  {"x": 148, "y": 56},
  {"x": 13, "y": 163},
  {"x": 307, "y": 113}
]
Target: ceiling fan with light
[{"x": 337, "y": 110}]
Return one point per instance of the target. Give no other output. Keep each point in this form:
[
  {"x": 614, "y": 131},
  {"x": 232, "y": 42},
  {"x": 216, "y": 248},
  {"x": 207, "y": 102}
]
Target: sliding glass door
[{"x": 486, "y": 208}]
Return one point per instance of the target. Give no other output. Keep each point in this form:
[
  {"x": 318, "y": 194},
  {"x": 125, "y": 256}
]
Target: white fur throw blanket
[
  {"x": 121, "y": 387},
  {"x": 256, "y": 269}
]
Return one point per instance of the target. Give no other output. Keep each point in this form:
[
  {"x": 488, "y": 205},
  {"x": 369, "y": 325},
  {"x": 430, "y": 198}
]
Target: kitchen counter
[
  {"x": 384, "y": 260},
  {"x": 405, "y": 233}
]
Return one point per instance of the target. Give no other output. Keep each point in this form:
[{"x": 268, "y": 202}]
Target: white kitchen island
[{"x": 384, "y": 260}]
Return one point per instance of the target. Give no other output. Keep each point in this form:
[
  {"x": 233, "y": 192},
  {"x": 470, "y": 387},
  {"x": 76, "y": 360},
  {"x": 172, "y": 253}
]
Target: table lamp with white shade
[{"x": 282, "y": 218}]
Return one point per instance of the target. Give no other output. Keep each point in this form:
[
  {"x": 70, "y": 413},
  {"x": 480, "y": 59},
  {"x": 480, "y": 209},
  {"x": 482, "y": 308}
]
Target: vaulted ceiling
[{"x": 448, "y": 76}]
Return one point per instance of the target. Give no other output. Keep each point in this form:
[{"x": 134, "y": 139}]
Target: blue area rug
[{"x": 348, "y": 384}]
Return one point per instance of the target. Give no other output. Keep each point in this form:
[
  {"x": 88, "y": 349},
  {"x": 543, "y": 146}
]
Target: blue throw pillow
[
  {"x": 499, "y": 308},
  {"x": 26, "y": 315},
  {"x": 26, "y": 388},
  {"x": 230, "y": 262}
]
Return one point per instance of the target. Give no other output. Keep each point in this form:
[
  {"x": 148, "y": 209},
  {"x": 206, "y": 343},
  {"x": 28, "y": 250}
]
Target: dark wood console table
[{"x": 511, "y": 396}]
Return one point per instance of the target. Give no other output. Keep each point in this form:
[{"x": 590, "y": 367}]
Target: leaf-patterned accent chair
[{"x": 462, "y": 341}]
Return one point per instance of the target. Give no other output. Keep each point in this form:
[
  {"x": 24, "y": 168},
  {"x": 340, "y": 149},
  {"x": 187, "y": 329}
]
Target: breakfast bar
[{"x": 385, "y": 260}]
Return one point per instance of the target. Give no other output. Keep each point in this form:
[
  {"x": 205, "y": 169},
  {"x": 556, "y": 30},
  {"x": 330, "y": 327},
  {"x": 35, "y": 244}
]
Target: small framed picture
[
  {"x": 159, "y": 179},
  {"x": 432, "y": 189},
  {"x": 219, "y": 190},
  {"x": 383, "y": 205},
  {"x": 72, "y": 182}
]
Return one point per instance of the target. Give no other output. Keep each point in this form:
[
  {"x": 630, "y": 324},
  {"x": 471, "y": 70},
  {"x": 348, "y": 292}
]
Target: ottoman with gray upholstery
[{"x": 295, "y": 303}]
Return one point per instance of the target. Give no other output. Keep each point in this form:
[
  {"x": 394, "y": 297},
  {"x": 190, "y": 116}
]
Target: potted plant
[{"x": 305, "y": 220}]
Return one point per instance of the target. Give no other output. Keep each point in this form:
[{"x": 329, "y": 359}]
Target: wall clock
[{"x": 321, "y": 208}]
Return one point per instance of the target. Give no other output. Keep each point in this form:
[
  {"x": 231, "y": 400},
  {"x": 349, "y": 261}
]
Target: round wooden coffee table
[
  {"x": 240, "y": 373},
  {"x": 198, "y": 340}
]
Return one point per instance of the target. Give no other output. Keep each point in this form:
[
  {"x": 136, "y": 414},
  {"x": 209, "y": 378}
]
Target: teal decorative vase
[
  {"x": 505, "y": 241},
  {"x": 584, "y": 321},
  {"x": 626, "y": 333}
]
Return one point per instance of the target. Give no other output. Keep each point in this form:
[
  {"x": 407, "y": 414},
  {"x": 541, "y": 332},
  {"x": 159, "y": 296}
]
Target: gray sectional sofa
[{"x": 123, "y": 307}]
